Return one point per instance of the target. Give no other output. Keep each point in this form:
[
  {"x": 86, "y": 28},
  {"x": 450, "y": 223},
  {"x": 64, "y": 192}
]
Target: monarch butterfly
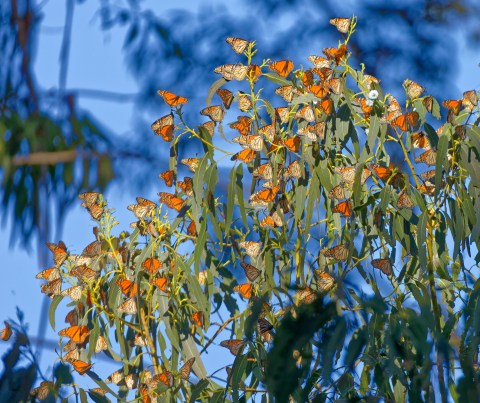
[
  {"x": 265, "y": 196},
  {"x": 115, "y": 377},
  {"x": 75, "y": 292},
  {"x": 268, "y": 131},
  {"x": 81, "y": 367},
  {"x": 405, "y": 122},
  {"x": 41, "y": 392},
  {"x": 59, "y": 251},
  {"x": 187, "y": 368},
  {"x": 324, "y": 73},
  {"x": 152, "y": 265},
  {"x": 96, "y": 211},
  {"x": 215, "y": 112},
  {"x": 197, "y": 318},
  {"x": 384, "y": 173},
  {"x": 245, "y": 290},
  {"x": 165, "y": 377},
  {"x": 306, "y": 77},
  {"x": 143, "y": 208},
  {"x": 191, "y": 163},
  {"x": 420, "y": 140},
  {"x": 243, "y": 125},
  {"x": 244, "y": 102},
  {"x": 318, "y": 90},
  {"x": 429, "y": 157},
  {"x": 131, "y": 381},
  {"x": 326, "y": 104},
  {"x": 394, "y": 109},
  {"x": 139, "y": 341},
  {"x": 348, "y": 175},
  {"x": 232, "y": 71},
  {"x": 334, "y": 85},
  {"x": 100, "y": 345},
  {"x": 404, "y": 201},
  {"x": 209, "y": 127},
  {"x": 52, "y": 288},
  {"x": 339, "y": 252},
  {"x": 72, "y": 317},
  {"x": 238, "y": 45},
  {"x": 338, "y": 192},
  {"x": 342, "y": 24},
  {"x": 305, "y": 295},
  {"x": 283, "y": 67},
  {"x": 251, "y": 248},
  {"x": 427, "y": 188},
  {"x": 264, "y": 171},
  {"x": 306, "y": 113},
  {"x": 246, "y": 155},
  {"x": 172, "y": 99},
  {"x": 292, "y": 143},
  {"x": 384, "y": 265},
  {"x": 73, "y": 353},
  {"x": 99, "y": 391},
  {"x": 93, "y": 249},
  {"x": 128, "y": 307},
  {"x": 171, "y": 201},
  {"x": 89, "y": 198},
  {"x": 271, "y": 221},
  {"x": 314, "y": 132},
  {"x": 428, "y": 103},
  {"x": 286, "y": 92},
  {"x": 319, "y": 61},
  {"x": 254, "y": 72},
  {"x": 253, "y": 142},
  {"x": 6, "y": 332},
  {"x": 325, "y": 281},
  {"x": 191, "y": 229},
  {"x": 428, "y": 175},
  {"x": 293, "y": 170},
  {"x": 369, "y": 80},
  {"x": 226, "y": 96},
  {"x": 161, "y": 283},
  {"x": 164, "y": 127},
  {"x": 128, "y": 287},
  {"x": 78, "y": 334},
  {"x": 264, "y": 328},
  {"x": 282, "y": 113},
  {"x": 235, "y": 346},
  {"x": 168, "y": 177},
  {"x": 453, "y": 105},
  {"x": 84, "y": 273},
  {"x": 414, "y": 90},
  {"x": 366, "y": 109},
  {"x": 469, "y": 100},
  {"x": 336, "y": 54},
  {"x": 186, "y": 185},
  {"x": 251, "y": 272},
  {"x": 344, "y": 208},
  {"x": 49, "y": 274}
]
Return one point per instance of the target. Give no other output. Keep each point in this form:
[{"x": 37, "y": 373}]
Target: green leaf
[
  {"x": 400, "y": 392},
  {"x": 52, "y": 309}
]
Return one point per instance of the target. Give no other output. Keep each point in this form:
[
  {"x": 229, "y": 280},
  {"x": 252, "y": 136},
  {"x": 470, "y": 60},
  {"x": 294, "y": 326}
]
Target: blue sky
[{"x": 96, "y": 62}]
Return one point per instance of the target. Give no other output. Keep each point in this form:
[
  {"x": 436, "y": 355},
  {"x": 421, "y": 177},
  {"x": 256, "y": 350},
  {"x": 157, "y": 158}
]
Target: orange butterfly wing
[
  {"x": 283, "y": 67},
  {"x": 172, "y": 99},
  {"x": 81, "y": 367},
  {"x": 152, "y": 265},
  {"x": 245, "y": 290},
  {"x": 78, "y": 334},
  {"x": 129, "y": 288},
  {"x": 246, "y": 155},
  {"x": 292, "y": 143},
  {"x": 161, "y": 283},
  {"x": 168, "y": 177},
  {"x": 226, "y": 96},
  {"x": 453, "y": 105},
  {"x": 344, "y": 208}
]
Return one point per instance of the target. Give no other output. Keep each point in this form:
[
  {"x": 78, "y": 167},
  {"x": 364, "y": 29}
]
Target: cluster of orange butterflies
[{"x": 272, "y": 149}]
